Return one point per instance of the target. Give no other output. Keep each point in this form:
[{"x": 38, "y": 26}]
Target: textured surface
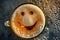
[{"x": 51, "y": 9}]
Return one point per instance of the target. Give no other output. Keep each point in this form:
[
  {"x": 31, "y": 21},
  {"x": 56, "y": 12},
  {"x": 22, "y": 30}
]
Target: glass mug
[{"x": 27, "y": 21}]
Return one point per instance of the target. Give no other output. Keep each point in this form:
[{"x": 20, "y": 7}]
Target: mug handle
[{"x": 7, "y": 23}]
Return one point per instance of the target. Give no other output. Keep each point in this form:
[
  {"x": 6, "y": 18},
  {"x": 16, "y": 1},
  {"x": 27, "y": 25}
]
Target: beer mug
[{"x": 27, "y": 21}]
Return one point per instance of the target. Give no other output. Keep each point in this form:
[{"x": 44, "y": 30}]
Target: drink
[{"x": 27, "y": 21}]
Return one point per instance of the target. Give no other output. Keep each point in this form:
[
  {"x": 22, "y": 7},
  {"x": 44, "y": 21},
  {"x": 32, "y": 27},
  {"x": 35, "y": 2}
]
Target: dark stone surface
[{"x": 51, "y": 9}]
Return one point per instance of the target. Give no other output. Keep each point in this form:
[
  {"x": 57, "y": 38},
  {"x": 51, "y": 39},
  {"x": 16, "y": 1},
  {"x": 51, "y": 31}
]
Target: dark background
[{"x": 51, "y": 9}]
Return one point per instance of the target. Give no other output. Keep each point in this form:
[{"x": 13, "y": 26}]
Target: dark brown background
[{"x": 51, "y": 9}]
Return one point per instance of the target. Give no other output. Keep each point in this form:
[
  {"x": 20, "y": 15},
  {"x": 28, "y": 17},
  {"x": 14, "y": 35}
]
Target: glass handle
[{"x": 7, "y": 23}]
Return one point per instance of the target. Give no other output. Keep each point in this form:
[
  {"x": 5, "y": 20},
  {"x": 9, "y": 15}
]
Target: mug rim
[{"x": 13, "y": 14}]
